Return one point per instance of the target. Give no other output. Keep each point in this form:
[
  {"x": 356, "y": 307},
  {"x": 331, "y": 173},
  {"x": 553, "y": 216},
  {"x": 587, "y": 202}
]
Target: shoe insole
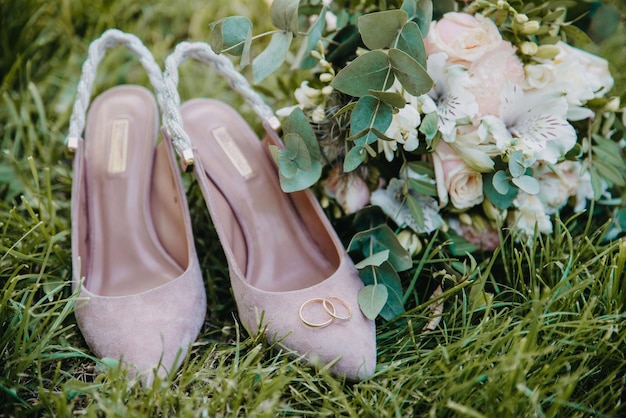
[
  {"x": 126, "y": 256},
  {"x": 267, "y": 237}
]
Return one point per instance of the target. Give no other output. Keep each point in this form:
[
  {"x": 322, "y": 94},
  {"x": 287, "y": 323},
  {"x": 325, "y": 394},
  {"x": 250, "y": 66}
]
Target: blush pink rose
[
  {"x": 490, "y": 73},
  {"x": 463, "y": 37},
  {"x": 456, "y": 182}
]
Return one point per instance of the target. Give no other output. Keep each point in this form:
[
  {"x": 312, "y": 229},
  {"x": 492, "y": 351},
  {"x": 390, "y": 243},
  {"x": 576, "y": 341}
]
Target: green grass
[{"x": 529, "y": 331}]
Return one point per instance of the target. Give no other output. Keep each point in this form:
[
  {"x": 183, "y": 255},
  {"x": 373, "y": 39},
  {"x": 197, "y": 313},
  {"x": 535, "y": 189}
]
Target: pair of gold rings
[{"x": 329, "y": 309}]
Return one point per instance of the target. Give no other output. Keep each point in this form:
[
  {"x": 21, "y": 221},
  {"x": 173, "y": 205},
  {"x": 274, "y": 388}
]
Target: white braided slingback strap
[
  {"x": 97, "y": 49},
  {"x": 201, "y": 51}
]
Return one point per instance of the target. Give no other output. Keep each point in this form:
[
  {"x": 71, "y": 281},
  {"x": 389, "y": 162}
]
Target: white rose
[
  {"x": 581, "y": 76},
  {"x": 564, "y": 181},
  {"x": 539, "y": 76},
  {"x": 456, "y": 182}
]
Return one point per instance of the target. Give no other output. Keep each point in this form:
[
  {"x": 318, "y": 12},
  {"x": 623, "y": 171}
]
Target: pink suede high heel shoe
[
  {"x": 290, "y": 274},
  {"x": 133, "y": 255}
]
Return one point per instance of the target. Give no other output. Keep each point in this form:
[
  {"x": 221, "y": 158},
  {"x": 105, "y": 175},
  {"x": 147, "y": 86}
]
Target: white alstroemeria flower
[
  {"x": 533, "y": 123},
  {"x": 389, "y": 200},
  {"x": 403, "y": 129},
  {"x": 455, "y": 104},
  {"x": 530, "y": 213}
]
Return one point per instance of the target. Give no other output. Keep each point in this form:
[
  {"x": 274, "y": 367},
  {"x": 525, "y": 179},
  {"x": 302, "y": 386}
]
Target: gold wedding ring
[{"x": 329, "y": 308}]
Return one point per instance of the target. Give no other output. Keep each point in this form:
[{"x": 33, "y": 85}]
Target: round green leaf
[
  {"x": 411, "y": 42},
  {"x": 284, "y": 15},
  {"x": 516, "y": 164},
  {"x": 389, "y": 97},
  {"x": 372, "y": 299},
  {"x": 420, "y": 11},
  {"x": 380, "y": 29},
  {"x": 297, "y": 151},
  {"x": 272, "y": 57},
  {"x": 354, "y": 158},
  {"x": 370, "y": 113},
  {"x": 527, "y": 183},
  {"x": 368, "y": 72},
  {"x": 499, "y": 200},
  {"x": 411, "y": 74},
  {"x": 501, "y": 183},
  {"x": 228, "y": 32}
]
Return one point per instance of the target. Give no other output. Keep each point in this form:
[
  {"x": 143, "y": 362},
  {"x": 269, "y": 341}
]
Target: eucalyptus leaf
[
  {"x": 302, "y": 180},
  {"x": 245, "y": 59},
  {"x": 298, "y": 123},
  {"x": 378, "y": 239},
  {"x": 284, "y": 15},
  {"x": 387, "y": 276},
  {"x": 501, "y": 201},
  {"x": 528, "y": 184},
  {"x": 392, "y": 98},
  {"x": 314, "y": 36},
  {"x": 354, "y": 158},
  {"x": 411, "y": 42},
  {"x": 516, "y": 164},
  {"x": 372, "y": 299},
  {"x": 286, "y": 166},
  {"x": 369, "y": 113},
  {"x": 430, "y": 125},
  {"x": 298, "y": 151},
  {"x": 420, "y": 11},
  {"x": 379, "y": 30},
  {"x": 230, "y": 34},
  {"x": 604, "y": 22},
  {"x": 370, "y": 71},
  {"x": 501, "y": 183},
  {"x": 375, "y": 259},
  {"x": 272, "y": 57},
  {"x": 411, "y": 74}
]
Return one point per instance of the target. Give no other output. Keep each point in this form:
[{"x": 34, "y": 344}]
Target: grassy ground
[{"x": 535, "y": 331}]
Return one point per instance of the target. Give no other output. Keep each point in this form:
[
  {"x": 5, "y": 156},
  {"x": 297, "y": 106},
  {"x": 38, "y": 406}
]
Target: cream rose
[
  {"x": 463, "y": 37},
  {"x": 577, "y": 74},
  {"x": 456, "y": 182}
]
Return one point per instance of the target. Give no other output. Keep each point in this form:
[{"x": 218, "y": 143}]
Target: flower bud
[
  {"x": 531, "y": 27},
  {"x": 327, "y": 90},
  {"x": 410, "y": 242},
  {"x": 465, "y": 219},
  {"x": 547, "y": 51},
  {"x": 492, "y": 212},
  {"x": 529, "y": 48},
  {"x": 613, "y": 105},
  {"x": 521, "y": 18},
  {"x": 326, "y": 77}
]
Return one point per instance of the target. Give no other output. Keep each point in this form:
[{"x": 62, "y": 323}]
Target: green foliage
[
  {"x": 530, "y": 330},
  {"x": 299, "y": 163}
]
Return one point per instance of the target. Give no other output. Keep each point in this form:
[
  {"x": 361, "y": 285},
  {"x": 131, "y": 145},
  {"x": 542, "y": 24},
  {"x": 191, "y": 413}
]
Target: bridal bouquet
[{"x": 480, "y": 119}]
